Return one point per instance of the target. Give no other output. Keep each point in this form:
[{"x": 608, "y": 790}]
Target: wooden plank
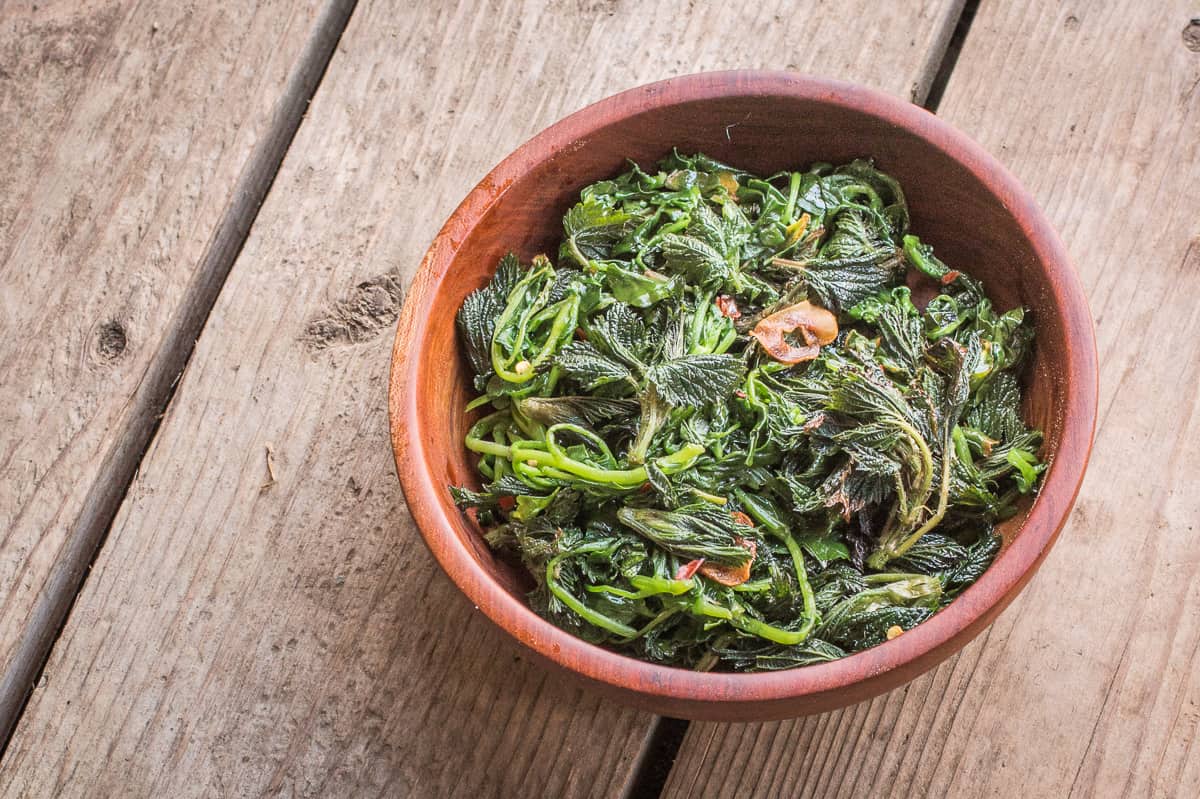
[
  {"x": 1088, "y": 685},
  {"x": 136, "y": 145},
  {"x": 243, "y": 633}
]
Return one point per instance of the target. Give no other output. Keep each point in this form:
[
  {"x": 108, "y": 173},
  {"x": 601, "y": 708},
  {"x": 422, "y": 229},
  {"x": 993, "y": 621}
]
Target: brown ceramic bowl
[{"x": 963, "y": 202}]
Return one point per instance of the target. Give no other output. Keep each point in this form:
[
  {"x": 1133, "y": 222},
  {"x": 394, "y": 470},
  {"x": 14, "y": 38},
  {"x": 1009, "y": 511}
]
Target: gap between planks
[
  {"x": 150, "y": 402},
  {"x": 665, "y": 737}
]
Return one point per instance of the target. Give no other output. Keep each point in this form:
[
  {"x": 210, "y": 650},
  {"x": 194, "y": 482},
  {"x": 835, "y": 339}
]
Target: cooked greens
[{"x": 720, "y": 432}]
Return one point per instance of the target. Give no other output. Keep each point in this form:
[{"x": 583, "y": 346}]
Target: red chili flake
[
  {"x": 645, "y": 488},
  {"x": 579, "y": 334},
  {"x": 688, "y": 570},
  {"x": 732, "y": 575},
  {"x": 506, "y": 502},
  {"x": 742, "y": 518},
  {"x": 728, "y": 307},
  {"x": 739, "y": 394},
  {"x": 950, "y": 277}
]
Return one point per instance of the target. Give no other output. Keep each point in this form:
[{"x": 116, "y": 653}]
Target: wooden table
[{"x": 209, "y": 583}]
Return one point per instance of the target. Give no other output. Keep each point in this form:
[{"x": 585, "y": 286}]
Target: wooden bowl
[{"x": 963, "y": 202}]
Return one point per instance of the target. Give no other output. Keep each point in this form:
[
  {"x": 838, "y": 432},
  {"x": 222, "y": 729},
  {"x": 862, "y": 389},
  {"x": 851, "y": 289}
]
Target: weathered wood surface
[
  {"x": 128, "y": 136},
  {"x": 242, "y": 634},
  {"x": 1089, "y": 684}
]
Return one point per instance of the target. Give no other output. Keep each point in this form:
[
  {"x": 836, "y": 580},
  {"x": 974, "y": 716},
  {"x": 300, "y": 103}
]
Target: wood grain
[
  {"x": 135, "y": 144},
  {"x": 1088, "y": 685},
  {"x": 297, "y": 638}
]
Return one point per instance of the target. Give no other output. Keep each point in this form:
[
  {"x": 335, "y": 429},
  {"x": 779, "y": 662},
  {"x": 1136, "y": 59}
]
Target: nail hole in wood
[
  {"x": 1191, "y": 35},
  {"x": 111, "y": 340}
]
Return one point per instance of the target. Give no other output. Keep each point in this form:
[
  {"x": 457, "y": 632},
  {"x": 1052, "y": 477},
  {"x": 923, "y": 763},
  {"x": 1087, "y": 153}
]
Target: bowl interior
[{"x": 952, "y": 209}]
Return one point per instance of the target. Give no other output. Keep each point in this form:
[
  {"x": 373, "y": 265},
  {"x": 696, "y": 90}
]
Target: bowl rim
[{"x": 672, "y": 686}]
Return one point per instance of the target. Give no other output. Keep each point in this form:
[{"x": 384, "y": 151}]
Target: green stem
[
  {"x": 926, "y": 485},
  {"x": 654, "y": 415},
  {"x": 936, "y": 518},
  {"x": 806, "y": 592},
  {"x": 789, "y": 213},
  {"x": 749, "y": 624},
  {"x": 647, "y": 587},
  {"x": 889, "y": 549},
  {"x": 587, "y": 614},
  {"x": 655, "y": 622},
  {"x": 619, "y": 478}
]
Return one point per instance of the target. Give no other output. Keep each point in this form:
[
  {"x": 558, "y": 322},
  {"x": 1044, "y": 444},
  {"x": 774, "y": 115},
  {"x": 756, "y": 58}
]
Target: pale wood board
[
  {"x": 238, "y": 637},
  {"x": 126, "y": 131},
  {"x": 1088, "y": 685}
]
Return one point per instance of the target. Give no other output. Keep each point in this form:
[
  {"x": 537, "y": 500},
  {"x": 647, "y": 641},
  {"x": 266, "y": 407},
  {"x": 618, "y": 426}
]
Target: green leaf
[
  {"x": 707, "y": 227},
  {"x": 697, "y": 380},
  {"x": 1028, "y": 469},
  {"x": 696, "y": 260},
  {"x": 476, "y": 318},
  {"x": 996, "y": 408},
  {"x": 921, "y": 257},
  {"x": 581, "y": 361},
  {"x": 692, "y": 532},
  {"x": 826, "y": 550},
  {"x": 973, "y": 563},
  {"x": 772, "y": 657},
  {"x": 592, "y": 228},
  {"x": 621, "y": 334},
  {"x": 870, "y": 627},
  {"x": 582, "y": 410},
  {"x": 638, "y": 290},
  {"x": 933, "y": 553},
  {"x": 844, "y": 282},
  {"x": 662, "y": 484},
  {"x": 857, "y": 235}
]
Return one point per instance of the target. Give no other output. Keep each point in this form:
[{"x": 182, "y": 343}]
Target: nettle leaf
[
  {"x": 691, "y": 532},
  {"x": 870, "y": 628},
  {"x": 581, "y": 361},
  {"x": 824, "y": 549},
  {"x": 662, "y": 484},
  {"x": 903, "y": 336},
  {"x": 638, "y": 290},
  {"x": 707, "y": 227},
  {"x": 974, "y": 562},
  {"x": 697, "y": 380},
  {"x": 622, "y": 335},
  {"x": 466, "y": 498},
  {"x": 869, "y": 398},
  {"x": 476, "y": 322},
  {"x": 737, "y": 228},
  {"x": 856, "y": 235},
  {"x": 772, "y": 657},
  {"x": 835, "y": 583},
  {"x": 476, "y": 318},
  {"x": 887, "y": 188},
  {"x": 933, "y": 553},
  {"x": 508, "y": 274},
  {"x": 592, "y": 228},
  {"x": 996, "y": 409},
  {"x": 954, "y": 360},
  {"x": 581, "y": 410},
  {"x": 695, "y": 259},
  {"x": 844, "y": 282}
]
